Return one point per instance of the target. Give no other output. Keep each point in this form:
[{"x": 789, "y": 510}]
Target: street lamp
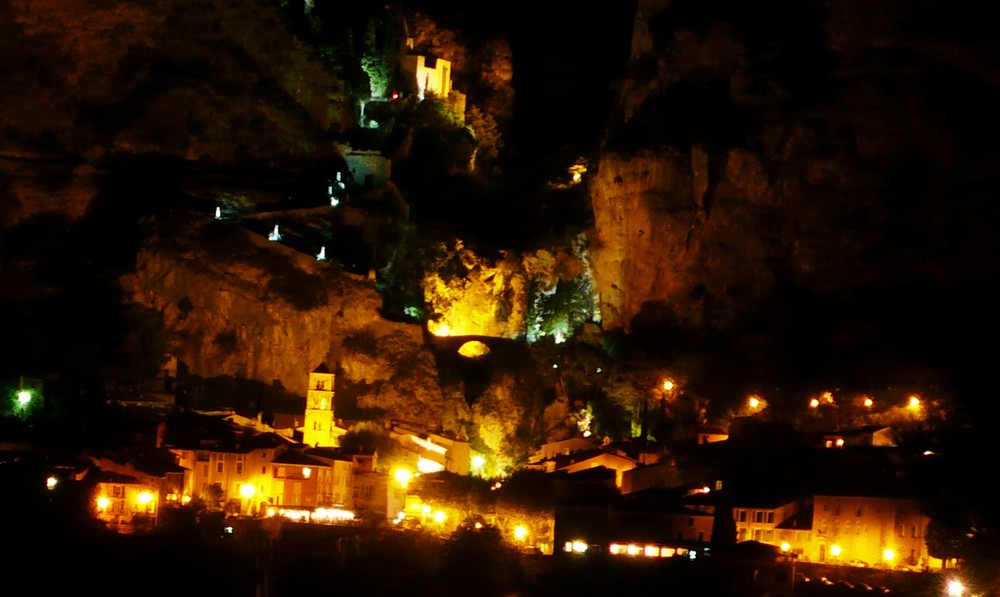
[
  {"x": 520, "y": 532},
  {"x": 402, "y": 476},
  {"x": 247, "y": 491},
  {"x": 954, "y": 588}
]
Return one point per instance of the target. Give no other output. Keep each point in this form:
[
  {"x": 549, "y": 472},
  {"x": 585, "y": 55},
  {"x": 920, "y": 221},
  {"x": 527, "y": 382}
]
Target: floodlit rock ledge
[{"x": 235, "y": 304}]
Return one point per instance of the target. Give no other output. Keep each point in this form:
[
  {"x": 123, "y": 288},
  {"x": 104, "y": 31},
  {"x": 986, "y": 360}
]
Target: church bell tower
[{"x": 319, "y": 430}]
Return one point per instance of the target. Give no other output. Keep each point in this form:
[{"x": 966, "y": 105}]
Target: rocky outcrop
[
  {"x": 220, "y": 82},
  {"x": 816, "y": 146},
  {"x": 235, "y": 304},
  {"x": 29, "y": 189}
]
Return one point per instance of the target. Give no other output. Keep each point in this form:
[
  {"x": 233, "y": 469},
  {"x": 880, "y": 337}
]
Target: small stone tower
[{"x": 318, "y": 429}]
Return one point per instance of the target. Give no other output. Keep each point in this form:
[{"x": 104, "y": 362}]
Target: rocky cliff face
[
  {"x": 235, "y": 304},
  {"x": 815, "y": 146},
  {"x": 218, "y": 82}
]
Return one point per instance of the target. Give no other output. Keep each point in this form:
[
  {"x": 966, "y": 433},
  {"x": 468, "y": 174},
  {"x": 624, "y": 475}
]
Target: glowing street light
[
  {"x": 868, "y": 402},
  {"x": 835, "y": 550},
  {"x": 668, "y": 385},
  {"x": 144, "y": 498},
  {"x": 754, "y": 402},
  {"x": 954, "y": 588},
  {"x": 402, "y": 477},
  {"x": 814, "y": 403},
  {"x": 888, "y": 555},
  {"x": 478, "y": 462},
  {"x": 103, "y": 502},
  {"x": 520, "y": 532},
  {"x": 247, "y": 490},
  {"x": 914, "y": 402},
  {"x": 786, "y": 546},
  {"x": 51, "y": 483},
  {"x": 24, "y": 397}
]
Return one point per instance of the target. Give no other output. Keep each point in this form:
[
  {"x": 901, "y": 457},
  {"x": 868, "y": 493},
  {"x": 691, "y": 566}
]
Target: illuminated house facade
[
  {"x": 564, "y": 447},
  {"x": 300, "y": 480},
  {"x": 875, "y": 435},
  {"x": 164, "y": 479},
  {"x": 378, "y": 496},
  {"x": 338, "y": 490},
  {"x": 591, "y": 459},
  {"x": 761, "y": 522},
  {"x": 227, "y": 473},
  {"x": 125, "y": 503},
  {"x": 432, "y": 75},
  {"x": 874, "y": 530},
  {"x": 434, "y": 452}
]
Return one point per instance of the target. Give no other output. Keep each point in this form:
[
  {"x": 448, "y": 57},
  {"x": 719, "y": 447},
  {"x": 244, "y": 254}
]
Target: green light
[{"x": 23, "y": 397}]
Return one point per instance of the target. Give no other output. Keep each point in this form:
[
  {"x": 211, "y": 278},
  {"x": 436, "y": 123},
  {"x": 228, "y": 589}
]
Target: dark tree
[{"x": 723, "y": 524}]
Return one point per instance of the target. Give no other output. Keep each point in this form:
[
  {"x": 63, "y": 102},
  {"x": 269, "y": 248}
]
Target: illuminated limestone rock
[
  {"x": 489, "y": 300},
  {"x": 547, "y": 292}
]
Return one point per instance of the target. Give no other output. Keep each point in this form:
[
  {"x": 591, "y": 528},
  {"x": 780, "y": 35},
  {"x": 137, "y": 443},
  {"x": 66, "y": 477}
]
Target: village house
[
  {"x": 877, "y": 531},
  {"x": 225, "y": 472},
  {"x": 125, "y": 503}
]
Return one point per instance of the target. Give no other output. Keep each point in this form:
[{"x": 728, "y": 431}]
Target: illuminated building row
[{"x": 857, "y": 530}]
